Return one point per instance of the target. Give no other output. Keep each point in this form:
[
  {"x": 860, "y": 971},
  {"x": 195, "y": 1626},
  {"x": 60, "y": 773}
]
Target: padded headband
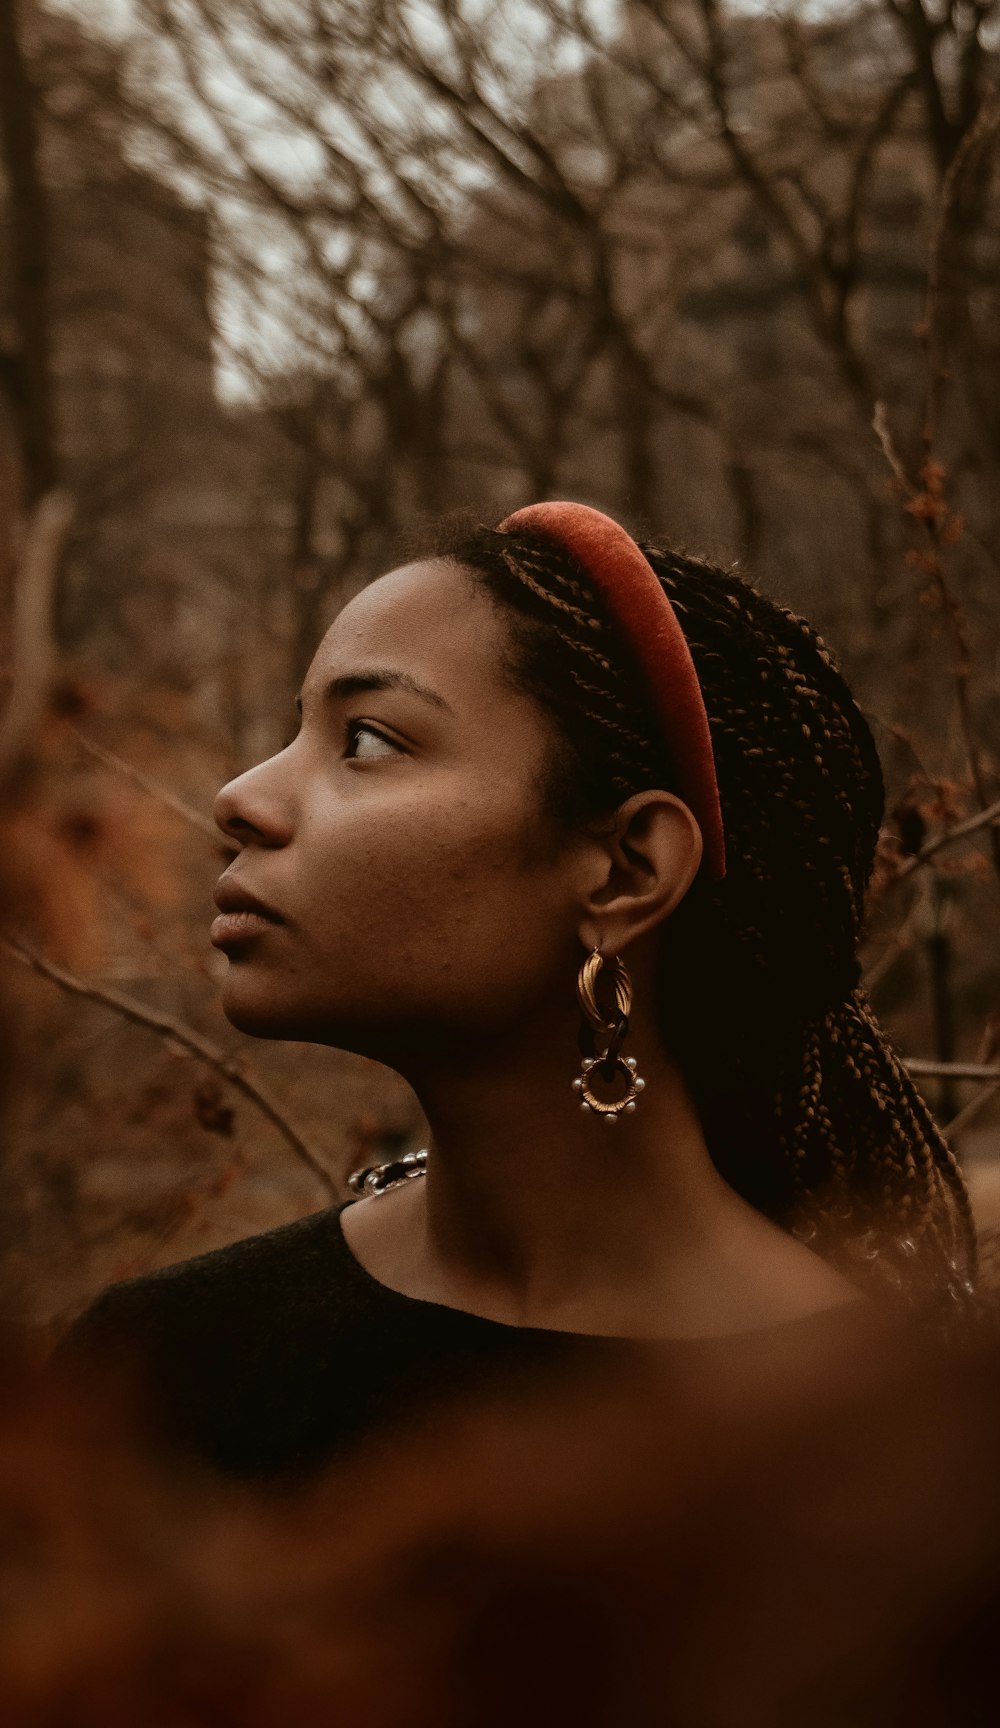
[{"x": 631, "y": 590}]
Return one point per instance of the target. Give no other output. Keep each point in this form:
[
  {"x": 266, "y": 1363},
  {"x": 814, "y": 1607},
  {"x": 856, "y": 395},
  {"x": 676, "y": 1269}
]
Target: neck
[{"x": 531, "y": 1206}]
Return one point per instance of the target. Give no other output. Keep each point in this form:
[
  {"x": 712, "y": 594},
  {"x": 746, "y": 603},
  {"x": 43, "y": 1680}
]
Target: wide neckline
[{"x": 386, "y": 1292}]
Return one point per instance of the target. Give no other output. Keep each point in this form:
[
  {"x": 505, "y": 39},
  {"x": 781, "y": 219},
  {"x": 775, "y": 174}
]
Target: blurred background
[{"x": 282, "y": 279}]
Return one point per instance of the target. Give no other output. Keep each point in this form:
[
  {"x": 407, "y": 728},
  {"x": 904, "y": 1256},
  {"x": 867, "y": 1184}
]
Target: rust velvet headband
[{"x": 631, "y": 590}]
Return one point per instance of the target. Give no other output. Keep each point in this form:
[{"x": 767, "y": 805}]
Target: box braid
[{"x": 807, "y": 1110}]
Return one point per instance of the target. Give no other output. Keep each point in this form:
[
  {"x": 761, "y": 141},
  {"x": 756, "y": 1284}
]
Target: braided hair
[{"x": 807, "y": 1110}]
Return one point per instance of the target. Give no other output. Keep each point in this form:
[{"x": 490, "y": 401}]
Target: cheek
[{"x": 450, "y": 880}]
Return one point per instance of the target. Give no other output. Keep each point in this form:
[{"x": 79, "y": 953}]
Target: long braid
[{"x": 807, "y": 1109}]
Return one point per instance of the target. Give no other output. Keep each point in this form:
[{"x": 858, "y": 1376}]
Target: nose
[{"x": 251, "y": 810}]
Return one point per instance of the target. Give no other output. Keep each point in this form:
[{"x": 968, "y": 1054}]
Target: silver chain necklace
[{"x": 379, "y": 1178}]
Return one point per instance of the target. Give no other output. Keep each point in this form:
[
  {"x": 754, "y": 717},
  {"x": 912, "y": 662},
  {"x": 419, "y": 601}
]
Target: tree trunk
[{"x": 27, "y": 363}]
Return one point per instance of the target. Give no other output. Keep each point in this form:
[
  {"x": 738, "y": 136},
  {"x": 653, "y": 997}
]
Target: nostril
[
  {"x": 225, "y": 812},
  {"x": 241, "y": 829}
]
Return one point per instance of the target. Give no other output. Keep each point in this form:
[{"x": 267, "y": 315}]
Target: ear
[{"x": 636, "y": 871}]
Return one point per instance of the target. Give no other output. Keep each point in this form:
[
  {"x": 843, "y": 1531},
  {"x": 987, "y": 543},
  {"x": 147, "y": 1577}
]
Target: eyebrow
[{"x": 380, "y": 678}]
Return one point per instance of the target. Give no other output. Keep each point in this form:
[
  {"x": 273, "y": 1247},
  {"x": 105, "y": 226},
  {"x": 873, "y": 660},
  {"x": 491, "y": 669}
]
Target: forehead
[{"x": 425, "y": 618}]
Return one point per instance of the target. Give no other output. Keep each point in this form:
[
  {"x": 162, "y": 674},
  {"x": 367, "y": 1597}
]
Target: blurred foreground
[{"x": 798, "y": 1538}]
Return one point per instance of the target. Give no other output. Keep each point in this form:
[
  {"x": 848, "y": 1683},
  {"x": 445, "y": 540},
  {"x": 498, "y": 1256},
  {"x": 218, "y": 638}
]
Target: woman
[{"x": 536, "y": 755}]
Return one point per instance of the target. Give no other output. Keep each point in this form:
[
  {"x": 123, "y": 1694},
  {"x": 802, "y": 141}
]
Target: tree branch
[
  {"x": 949, "y": 226},
  {"x": 971, "y": 1110},
  {"x": 162, "y": 794},
  {"x": 925, "y": 1069},
  {"x": 34, "y": 654},
  {"x": 921, "y": 34},
  {"x": 175, "y": 1032},
  {"x": 982, "y": 819},
  {"x": 926, "y": 503}
]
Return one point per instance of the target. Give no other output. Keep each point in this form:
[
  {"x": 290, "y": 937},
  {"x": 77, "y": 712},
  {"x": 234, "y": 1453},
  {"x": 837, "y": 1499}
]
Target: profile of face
[{"x": 416, "y": 892}]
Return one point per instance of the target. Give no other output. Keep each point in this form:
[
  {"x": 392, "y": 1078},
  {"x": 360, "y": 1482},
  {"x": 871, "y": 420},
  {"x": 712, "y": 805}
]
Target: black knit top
[{"x": 268, "y": 1357}]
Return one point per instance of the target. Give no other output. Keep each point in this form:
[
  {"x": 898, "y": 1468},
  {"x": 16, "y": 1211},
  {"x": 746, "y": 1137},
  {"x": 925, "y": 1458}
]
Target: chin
[
  {"x": 259, "y": 1017},
  {"x": 263, "y": 1016},
  {"x": 349, "y": 1026},
  {"x": 262, "y": 1025}
]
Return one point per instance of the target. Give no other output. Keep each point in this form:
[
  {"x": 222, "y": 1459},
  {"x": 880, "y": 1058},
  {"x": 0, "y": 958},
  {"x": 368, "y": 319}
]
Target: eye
[{"x": 376, "y": 745}]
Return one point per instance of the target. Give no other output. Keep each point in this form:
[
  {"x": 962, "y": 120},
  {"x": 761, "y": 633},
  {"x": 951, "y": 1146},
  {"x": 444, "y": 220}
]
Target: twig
[
  {"x": 927, "y": 1070},
  {"x": 154, "y": 788},
  {"x": 926, "y": 504},
  {"x": 177, "y": 1033},
  {"x": 34, "y": 653},
  {"x": 883, "y": 432},
  {"x": 989, "y": 817},
  {"x": 936, "y": 521},
  {"x": 968, "y": 1111},
  {"x": 961, "y": 673},
  {"x": 899, "y": 942},
  {"x": 976, "y": 139}
]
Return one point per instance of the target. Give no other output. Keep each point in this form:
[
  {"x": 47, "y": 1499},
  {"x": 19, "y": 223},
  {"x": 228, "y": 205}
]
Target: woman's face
[{"x": 399, "y": 841}]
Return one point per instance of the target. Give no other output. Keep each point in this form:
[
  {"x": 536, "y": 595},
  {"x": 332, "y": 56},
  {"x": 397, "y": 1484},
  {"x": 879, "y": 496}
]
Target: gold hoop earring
[{"x": 603, "y": 1034}]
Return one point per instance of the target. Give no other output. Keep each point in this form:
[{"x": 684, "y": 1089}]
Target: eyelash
[{"x": 352, "y": 729}]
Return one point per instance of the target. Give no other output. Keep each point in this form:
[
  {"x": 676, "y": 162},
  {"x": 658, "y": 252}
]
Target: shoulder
[
  {"x": 240, "y": 1356},
  {"x": 245, "y": 1279}
]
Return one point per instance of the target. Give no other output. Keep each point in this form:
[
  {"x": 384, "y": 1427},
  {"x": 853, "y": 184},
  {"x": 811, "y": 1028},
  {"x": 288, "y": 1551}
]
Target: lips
[
  {"x": 241, "y": 915},
  {"x": 230, "y": 897}
]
